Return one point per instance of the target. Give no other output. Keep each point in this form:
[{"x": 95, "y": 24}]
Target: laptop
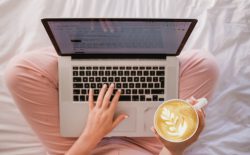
[{"x": 138, "y": 55}]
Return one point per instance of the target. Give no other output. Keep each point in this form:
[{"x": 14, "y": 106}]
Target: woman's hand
[
  {"x": 101, "y": 115},
  {"x": 100, "y": 121},
  {"x": 178, "y": 148}
]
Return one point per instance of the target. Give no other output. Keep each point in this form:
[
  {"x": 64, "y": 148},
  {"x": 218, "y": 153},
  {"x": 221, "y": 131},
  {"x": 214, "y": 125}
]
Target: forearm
[
  {"x": 83, "y": 146},
  {"x": 165, "y": 151}
]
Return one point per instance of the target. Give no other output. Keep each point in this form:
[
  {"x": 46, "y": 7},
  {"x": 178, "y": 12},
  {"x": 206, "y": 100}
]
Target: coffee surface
[{"x": 176, "y": 121}]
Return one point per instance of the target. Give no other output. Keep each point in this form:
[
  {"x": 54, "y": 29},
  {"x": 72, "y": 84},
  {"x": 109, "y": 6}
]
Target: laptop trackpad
[
  {"x": 128, "y": 124},
  {"x": 149, "y": 118}
]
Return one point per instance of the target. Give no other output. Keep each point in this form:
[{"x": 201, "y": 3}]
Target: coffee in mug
[{"x": 177, "y": 120}]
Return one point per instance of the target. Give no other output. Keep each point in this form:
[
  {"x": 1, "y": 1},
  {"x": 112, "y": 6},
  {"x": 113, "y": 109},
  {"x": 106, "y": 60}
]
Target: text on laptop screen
[{"x": 118, "y": 37}]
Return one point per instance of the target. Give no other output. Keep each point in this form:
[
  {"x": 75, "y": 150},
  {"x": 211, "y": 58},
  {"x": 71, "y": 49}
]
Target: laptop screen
[{"x": 117, "y": 36}]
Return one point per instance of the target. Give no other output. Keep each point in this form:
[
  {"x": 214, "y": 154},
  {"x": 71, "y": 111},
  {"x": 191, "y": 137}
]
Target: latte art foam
[{"x": 177, "y": 121}]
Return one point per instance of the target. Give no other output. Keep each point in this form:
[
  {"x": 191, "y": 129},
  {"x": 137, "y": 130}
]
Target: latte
[{"x": 176, "y": 120}]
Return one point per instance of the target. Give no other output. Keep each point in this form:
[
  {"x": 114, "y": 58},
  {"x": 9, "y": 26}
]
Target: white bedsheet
[{"x": 223, "y": 29}]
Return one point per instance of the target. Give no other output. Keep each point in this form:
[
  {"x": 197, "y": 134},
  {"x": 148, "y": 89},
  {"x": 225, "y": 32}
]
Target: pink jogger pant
[{"x": 32, "y": 79}]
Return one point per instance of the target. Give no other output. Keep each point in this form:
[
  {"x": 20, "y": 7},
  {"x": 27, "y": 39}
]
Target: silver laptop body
[{"x": 138, "y": 55}]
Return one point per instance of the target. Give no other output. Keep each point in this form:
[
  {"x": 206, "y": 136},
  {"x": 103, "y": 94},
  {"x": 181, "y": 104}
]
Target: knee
[
  {"x": 13, "y": 72},
  {"x": 200, "y": 62}
]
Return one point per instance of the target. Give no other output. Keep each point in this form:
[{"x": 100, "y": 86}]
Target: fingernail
[
  {"x": 112, "y": 85},
  {"x": 119, "y": 90},
  {"x": 126, "y": 116}
]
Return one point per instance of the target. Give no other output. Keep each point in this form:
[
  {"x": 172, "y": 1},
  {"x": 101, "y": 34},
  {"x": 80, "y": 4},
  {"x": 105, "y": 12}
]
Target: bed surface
[{"x": 223, "y": 29}]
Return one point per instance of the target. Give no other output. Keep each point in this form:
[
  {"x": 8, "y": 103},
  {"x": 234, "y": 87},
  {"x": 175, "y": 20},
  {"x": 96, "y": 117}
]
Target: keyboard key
[
  {"x": 149, "y": 79},
  {"x": 91, "y": 79},
  {"x": 115, "y": 68},
  {"x": 97, "y": 79},
  {"x": 99, "y": 85},
  {"x": 125, "y": 85},
  {"x": 155, "y": 79},
  {"x": 147, "y": 91},
  {"x": 118, "y": 85},
  {"x": 125, "y": 98},
  {"x": 150, "y": 85},
  {"x": 155, "y": 97},
  {"x": 88, "y": 73},
  {"x": 82, "y": 68},
  {"x": 77, "y": 79},
  {"x": 88, "y": 68},
  {"x": 157, "y": 91},
  {"x": 123, "y": 79},
  {"x": 113, "y": 73},
  {"x": 102, "y": 68},
  {"x": 107, "y": 73},
  {"x": 76, "y": 98},
  {"x": 128, "y": 91},
  {"x": 117, "y": 79},
  {"x": 157, "y": 85},
  {"x": 75, "y": 73},
  {"x": 142, "y": 98},
  {"x": 141, "y": 91},
  {"x": 160, "y": 73},
  {"x": 84, "y": 91},
  {"x": 144, "y": 85},
  {"x": 111, "y": 79},
  {"x": 135, "y": 68},
  {"x": 85, "y": 79},
  {"x": 96, "y": 91},
  {"x": 152, "y": 73},
  {"x": 161, "y": 99},
  {"x": 131, "y": 85},
  {"x": 104, "y": 79},
  {"x": 101, "y": 73},
  {"x": 122, "y": 67},
  {"x": 94, "y": 73},
  {"x": 133, "y": 73},
  {"x": 161, "y": 68},
  {"x": 95, "y": 68},
  {"x": 135, "y": 98},
  {"x": 86, "y": 85},
  {"x": 145, "y": 73},
  {"x": 76, "y": 91},
  {"x": 120, "y": 73},
  {"x": 148, "y": 67},
  {"x": 82, "y": 98},
  {"x": 81, "y": 73},
  {"x": 134, "y": 91},
  {"x": 126, "y": 73},
  {"x": 142, "y": 67},
  {"x": 137, "y": 85},
  {"x": 75, "y": 68},
  {"x": 139, "y": 73},
  {"x": 77, "y": 85},
  {"x": 108, "y": 68},
  {"x": 130, "y": 79},
  {"x": 155, "y": 67},
  {"x": 93, "y": 85},
  {"x": 142, "y": 79},
  {"x": 128, "y": 68},
  {"x": 136, "y": 79}
]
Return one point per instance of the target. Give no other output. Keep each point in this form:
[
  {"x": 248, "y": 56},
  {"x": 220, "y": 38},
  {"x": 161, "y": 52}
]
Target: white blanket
[{"x": 223, "y": 29}]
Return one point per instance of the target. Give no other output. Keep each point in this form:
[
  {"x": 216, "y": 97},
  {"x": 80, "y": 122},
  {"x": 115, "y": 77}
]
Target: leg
[
  {"x": 198, "y": 76},
  {"x": 33, "y": 82}
]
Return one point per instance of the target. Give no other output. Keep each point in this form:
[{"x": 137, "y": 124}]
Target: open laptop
[{"x": 138, "y": 55}]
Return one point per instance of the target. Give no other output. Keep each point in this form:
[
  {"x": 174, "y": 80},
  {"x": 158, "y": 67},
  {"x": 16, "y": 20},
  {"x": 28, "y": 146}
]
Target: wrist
[{"x": 91, "y": 139}]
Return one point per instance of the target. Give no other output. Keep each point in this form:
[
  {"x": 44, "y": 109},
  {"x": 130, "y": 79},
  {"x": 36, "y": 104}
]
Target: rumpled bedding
[{"x": 223, "y": 29}]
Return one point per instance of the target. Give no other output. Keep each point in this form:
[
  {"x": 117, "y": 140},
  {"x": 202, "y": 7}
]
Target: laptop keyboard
[{"x": 137, "y": 83}]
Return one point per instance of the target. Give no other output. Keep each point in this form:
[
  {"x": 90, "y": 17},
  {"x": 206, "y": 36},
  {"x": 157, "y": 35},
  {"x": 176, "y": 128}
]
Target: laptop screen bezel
[{"x": 45, "y": 22}]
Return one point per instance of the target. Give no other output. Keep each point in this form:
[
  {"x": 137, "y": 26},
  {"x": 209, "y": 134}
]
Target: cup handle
[{"x": 200, "y": 103}]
